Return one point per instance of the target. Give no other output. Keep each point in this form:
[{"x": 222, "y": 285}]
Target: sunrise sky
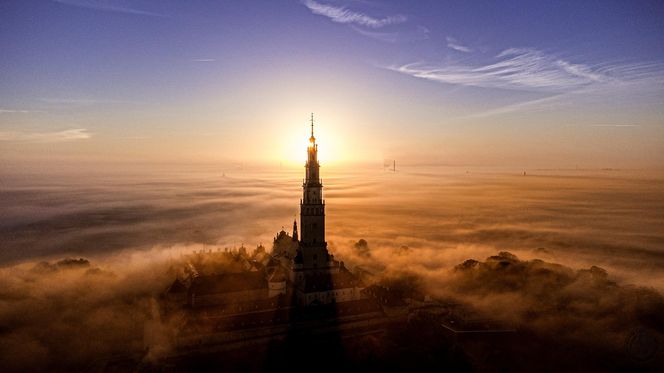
[{"x": 495, "y": 83}]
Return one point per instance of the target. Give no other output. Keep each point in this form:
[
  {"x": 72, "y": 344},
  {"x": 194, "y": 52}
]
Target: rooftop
[{"x": 229, "y": 283}]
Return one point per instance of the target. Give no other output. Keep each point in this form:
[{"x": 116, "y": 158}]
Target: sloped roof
[{"x": 229, "y": 283}]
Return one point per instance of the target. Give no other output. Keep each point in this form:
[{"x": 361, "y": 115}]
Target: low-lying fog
[{"x": 130, "y": 224}]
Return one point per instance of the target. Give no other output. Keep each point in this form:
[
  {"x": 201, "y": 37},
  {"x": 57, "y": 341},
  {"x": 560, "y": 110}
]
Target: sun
[{"x": 295, "y": 150}]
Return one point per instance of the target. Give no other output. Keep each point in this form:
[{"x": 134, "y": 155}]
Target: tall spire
[{"x": 312, "y": 138}]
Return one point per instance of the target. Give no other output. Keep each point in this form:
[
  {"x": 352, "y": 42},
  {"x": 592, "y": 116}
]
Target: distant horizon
[{"x": 229, "y": 166}]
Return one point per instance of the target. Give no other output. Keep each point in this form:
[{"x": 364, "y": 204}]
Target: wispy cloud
[
  {"x": 515, "y": 68},
  {"x": 532, "y": 70},
  {"x": 79, "y": 101},
  {"x": 10, "y": 111},
  {"x": 530, "y": 105},
  {"x": 110, "y": 6},
  {"x": 579, "y": 70},
  {"x": 342, "y": 14},
  {"x": 419, "y": 33},
  {"x": 454, "y": 44},
  {"x": 204, "y": 60},
  {"x": 45, "y": 137},
  {"x": 560, "y": 81},
  {"x": 615, "y": 125}
]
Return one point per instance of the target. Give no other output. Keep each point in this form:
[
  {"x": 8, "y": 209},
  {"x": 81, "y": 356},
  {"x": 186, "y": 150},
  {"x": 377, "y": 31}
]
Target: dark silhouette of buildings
[
  {"x": 232, "y": 296},
  {"x": 297, "y": 306}
]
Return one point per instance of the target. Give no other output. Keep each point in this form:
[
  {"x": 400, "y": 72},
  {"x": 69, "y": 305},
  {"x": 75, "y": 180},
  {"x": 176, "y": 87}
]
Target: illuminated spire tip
[{"x": 312, "y": 138}]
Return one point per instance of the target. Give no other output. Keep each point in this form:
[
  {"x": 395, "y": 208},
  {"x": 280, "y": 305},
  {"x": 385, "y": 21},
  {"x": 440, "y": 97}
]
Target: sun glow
[
  {"x": 294, "y": 151},
  {"x": 341, "y": 139}
]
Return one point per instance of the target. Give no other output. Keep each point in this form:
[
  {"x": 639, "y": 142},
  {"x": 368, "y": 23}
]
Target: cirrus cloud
[
  {"x": 514, "y": 68},
  {"x": 342, "y": 14},
  {"x": 45, "y": 137},
  {"x": 454, "y": 44},
  {"x": 110, "y": 6}
]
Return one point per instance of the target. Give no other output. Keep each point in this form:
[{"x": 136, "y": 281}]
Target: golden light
[
  {"x": 339, "y": 138},
  {"x": 294, "y": 151}
]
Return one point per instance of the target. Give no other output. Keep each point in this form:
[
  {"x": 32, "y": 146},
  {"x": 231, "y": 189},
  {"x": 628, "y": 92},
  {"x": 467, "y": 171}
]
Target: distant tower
[{"x": 295, "y": 230}]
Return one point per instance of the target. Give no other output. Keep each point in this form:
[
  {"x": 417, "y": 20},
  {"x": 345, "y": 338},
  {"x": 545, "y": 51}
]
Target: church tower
[
  {"x": 312, "y": 206},
  {"x": 313, "y": 248}
]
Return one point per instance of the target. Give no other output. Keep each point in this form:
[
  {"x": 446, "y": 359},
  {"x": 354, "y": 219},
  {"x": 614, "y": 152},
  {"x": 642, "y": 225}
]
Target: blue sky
[{"x": 451, "y": 82}]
